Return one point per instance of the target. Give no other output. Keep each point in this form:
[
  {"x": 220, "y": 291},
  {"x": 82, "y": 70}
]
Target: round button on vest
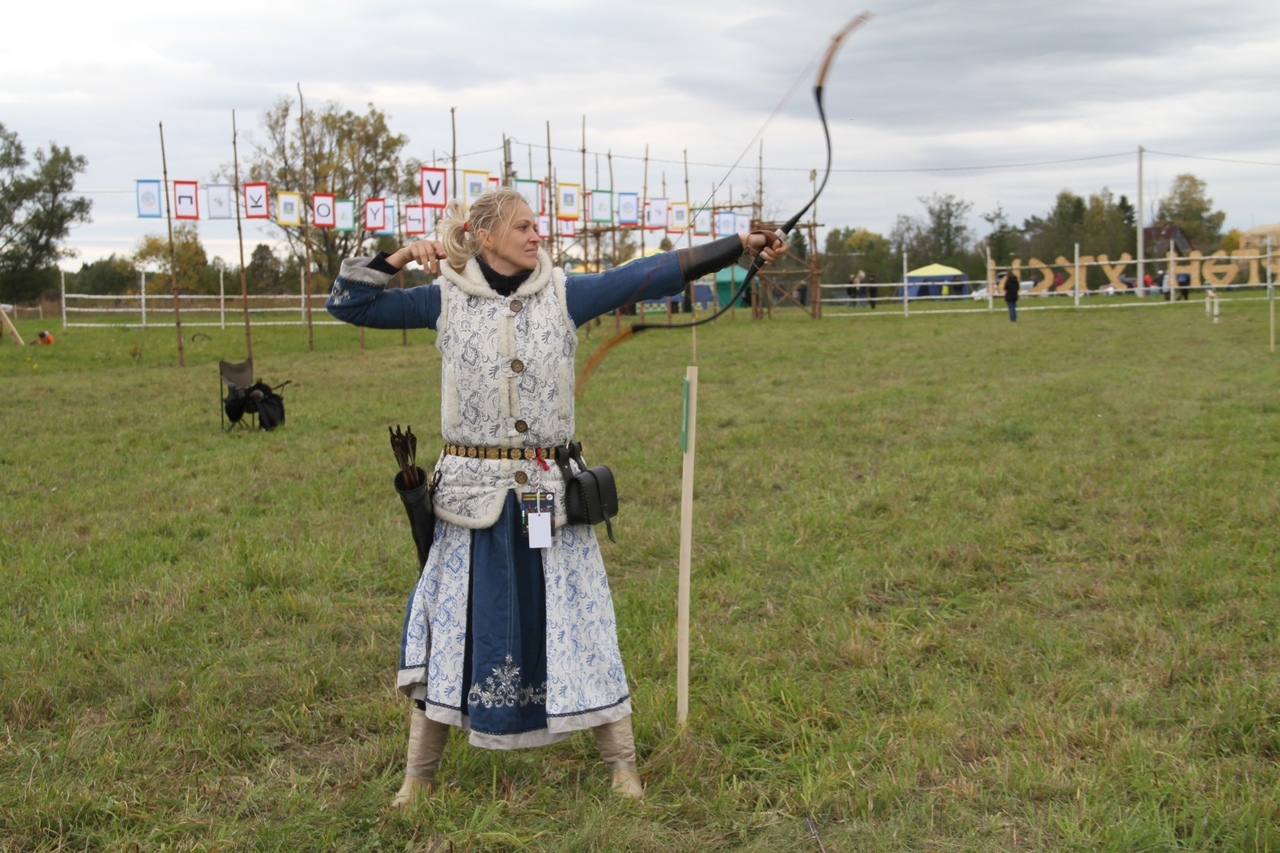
[
  {"x": 516, "y": 306},
  {"x": 522, "y": 477},
  {"x": 517, "y": 365},
  {"x": 521, "y": 426}
]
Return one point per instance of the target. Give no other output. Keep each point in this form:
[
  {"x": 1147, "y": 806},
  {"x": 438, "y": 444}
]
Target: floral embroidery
[{"x": 503, "y": 690}]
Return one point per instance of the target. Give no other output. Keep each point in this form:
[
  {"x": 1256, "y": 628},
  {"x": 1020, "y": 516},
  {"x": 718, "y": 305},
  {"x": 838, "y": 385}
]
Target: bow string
[{"x": 818, "y": 88}]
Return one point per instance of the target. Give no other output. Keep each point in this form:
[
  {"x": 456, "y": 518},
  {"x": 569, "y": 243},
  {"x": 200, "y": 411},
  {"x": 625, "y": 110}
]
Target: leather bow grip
[{"x": 758, "y": 263}]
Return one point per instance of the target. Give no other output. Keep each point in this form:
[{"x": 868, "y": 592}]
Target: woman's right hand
[{"x": 428, "y": 253}]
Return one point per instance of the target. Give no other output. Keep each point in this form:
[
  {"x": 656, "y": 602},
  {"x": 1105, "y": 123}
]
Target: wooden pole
[
  {"x": 644, "y": 202},
  {"x": 306, "y": 230},
  {"x": 617, "y": 312},
  {"x": 551, "y": 204},
  {"x": 691, "y": 289},
  {"x": 8, "y": 327},
  {"x": 244, "y": 282},
  {"x": 815, "y": 282},
  {"x": 173, "y": 258},
  {"x": 453, "y": 124},
  {"x": 1142, "y": 252},
  {"x": 686, "y": 545}
]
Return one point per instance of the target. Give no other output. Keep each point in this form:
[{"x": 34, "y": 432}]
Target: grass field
[{"x": 958, "y": 585}]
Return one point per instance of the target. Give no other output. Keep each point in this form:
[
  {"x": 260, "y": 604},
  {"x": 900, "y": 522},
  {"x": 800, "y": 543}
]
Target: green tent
[{"x": 728, "y": 280}]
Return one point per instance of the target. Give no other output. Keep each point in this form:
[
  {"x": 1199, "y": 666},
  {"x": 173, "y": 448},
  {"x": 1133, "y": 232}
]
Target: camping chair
[{"x": 246, "y": 397}]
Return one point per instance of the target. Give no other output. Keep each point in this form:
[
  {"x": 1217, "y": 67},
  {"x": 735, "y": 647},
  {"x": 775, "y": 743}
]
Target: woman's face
[{"x": 513, "y": 247}]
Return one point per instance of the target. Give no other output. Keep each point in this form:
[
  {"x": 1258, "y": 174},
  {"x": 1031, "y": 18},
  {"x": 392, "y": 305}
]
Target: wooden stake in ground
[
  {"x": 306, "y": 231},
  {"x": 688, "y": 443},
  {"x": 8, "y": 327},
  {"x": 173, "y": 259},
  {"x": 244, "y": 284}
]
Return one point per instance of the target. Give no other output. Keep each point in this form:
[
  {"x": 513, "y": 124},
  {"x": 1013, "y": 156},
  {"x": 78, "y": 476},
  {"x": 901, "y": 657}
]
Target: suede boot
[
  {"x": 427, "y": 740},
  {"x": 618, "y": 750}
]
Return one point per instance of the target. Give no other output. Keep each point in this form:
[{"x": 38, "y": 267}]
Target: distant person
[
  {"x": 855, "y": 285},
  {"x": 1184, "y": 286},
  {"x": 44, "y": 339},
  {"x": 872, "y": 291},
  {"x": 1012, "y": 290}
]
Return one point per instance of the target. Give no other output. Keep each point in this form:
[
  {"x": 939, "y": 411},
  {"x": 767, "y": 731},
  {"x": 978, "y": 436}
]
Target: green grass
[{"x": 958, "y": 585}]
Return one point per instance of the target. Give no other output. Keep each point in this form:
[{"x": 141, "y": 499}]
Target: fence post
[
  {"x": 1271, "y": 299},
  {"x": 302, "y": 279},
  {"x": 1077, "y": 275},
  {"x": 222, "y": 301},
  {"x": 991, "y": 281},
  {"x": 143, "y": 286},
  {"x": 906, "y": 311},
  {"x": 62, "y": 277}
]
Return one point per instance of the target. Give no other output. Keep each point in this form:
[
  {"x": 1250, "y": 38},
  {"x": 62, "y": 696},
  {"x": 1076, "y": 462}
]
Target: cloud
[{"x": 924, "y": 85}]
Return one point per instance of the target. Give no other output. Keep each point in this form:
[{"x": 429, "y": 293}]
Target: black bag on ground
[
  {"x": 591, "y": 495},
  {"x": 422, "y": 516},
  {"x": 260, "y": 398}
]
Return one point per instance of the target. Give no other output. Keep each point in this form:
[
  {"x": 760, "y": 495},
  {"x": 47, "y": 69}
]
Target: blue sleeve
[
  {"x": 359, "y": 296},
  {"x": 589, "y": 296}
]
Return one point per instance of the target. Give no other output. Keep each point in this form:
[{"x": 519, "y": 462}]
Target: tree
[
  {"x": 113, "y": 274},
  {"x": 1005, "y": 240},
  {"x": 37, "y": 212},
  {"x": 943, "y": 236},
  {"x": 189, "y": 251},
  {"x": 264, "y": 270},
  {"x": 1056, "y": 234},
  {"x": 1109, "y": 226},
  {"x": 849, "y": 250},
  {"x": 1189, "y": 208},
  {"x": 352, "y": 156}
]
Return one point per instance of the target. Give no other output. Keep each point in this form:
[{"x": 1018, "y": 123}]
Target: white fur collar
[{"x": 471, "y": 280}]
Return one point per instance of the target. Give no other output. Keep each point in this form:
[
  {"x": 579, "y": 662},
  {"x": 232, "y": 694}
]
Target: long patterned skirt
[{"x": 517, "y": 645}]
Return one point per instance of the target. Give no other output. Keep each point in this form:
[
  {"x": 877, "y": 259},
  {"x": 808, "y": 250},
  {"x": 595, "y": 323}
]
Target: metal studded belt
[{"x": 527, "y": 453}]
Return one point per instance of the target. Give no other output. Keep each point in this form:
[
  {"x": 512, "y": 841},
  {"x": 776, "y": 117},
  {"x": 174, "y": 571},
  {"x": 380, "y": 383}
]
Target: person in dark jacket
[{"x": 1012, "y": 289}]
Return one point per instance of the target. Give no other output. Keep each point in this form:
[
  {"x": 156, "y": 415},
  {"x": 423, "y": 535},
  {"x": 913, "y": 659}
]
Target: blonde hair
[{"x": 491, "y": 212}]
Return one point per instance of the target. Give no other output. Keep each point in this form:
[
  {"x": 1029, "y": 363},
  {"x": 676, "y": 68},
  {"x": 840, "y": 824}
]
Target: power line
[
  {"x": 1215, "y": 159},
  {"x": 991, "y": 166}
]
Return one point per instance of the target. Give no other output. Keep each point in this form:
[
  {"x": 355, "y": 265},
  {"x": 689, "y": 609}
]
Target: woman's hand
[
  {"x": 428, "y": 253},
  {"x": 766, "y": 243}
]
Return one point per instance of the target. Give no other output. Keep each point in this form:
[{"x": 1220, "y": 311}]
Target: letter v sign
[{"x": 435, "y": 187}]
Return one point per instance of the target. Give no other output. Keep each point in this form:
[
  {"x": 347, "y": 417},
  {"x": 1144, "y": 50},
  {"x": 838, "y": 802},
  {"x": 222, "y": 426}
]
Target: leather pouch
[{"x": 591, "y": 495}]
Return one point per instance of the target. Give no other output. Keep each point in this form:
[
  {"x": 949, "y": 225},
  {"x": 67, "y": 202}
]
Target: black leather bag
[{"x": 591, "y": 495}]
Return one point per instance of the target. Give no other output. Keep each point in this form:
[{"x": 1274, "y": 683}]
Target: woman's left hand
[{"x": 765, "y": 243}]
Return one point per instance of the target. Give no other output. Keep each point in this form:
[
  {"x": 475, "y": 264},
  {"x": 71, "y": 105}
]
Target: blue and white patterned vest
[{"x": 506, "y": 381}]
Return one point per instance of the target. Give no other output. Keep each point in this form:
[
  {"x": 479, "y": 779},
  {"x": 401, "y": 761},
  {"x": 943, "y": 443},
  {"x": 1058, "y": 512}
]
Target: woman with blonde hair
[{"x": 510, "y": 639}]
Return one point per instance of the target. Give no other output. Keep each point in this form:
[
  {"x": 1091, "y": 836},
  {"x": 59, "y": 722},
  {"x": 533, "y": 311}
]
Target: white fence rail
[{"x": 155, "y": 310}]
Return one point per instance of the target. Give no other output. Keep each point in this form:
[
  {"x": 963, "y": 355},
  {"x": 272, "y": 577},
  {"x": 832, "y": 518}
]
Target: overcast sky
[{"x": 929, "y": 97}]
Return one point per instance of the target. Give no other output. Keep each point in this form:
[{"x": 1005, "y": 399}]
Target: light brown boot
[
  {"x": 427, "y": 740},
  {"x": 618, "y": 749}
]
